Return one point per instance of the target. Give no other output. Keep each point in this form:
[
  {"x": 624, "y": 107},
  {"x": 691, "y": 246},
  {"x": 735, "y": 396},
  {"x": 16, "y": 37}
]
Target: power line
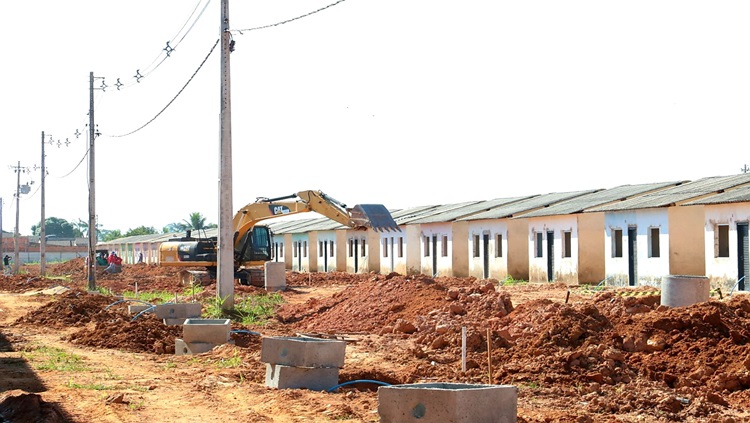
[
  {"x": 164, "y": 54},
  {"x": 240, "y": 31},
  {"x": 174, "y": 98}
]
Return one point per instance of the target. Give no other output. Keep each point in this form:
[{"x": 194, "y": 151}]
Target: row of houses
[{"x": 629, "y": 235}]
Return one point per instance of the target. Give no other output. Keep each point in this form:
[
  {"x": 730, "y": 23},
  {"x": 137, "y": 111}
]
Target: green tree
[
  {"x": 196, "y": 221},
  {"x": 141, "y": 230},
  {"x": 110, "y": 235},
  {"x": 58, "y": 227},
  {"x": 83, "y": 227}
]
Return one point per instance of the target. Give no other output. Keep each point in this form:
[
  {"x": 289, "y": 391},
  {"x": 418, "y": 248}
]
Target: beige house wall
[
  {"x": 413, "y": 244},
  {"x": 687, "y": 254},
  {"x": 313, "y": 259},
  {"x": 460, "y": 249},
  {"x": 341, "y": 248},
  {"x": 518, "y": 248},
  {"x": 591, "y": 237}
]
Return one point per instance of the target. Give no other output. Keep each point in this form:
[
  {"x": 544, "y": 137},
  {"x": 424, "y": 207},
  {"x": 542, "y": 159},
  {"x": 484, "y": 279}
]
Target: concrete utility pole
[
  {"x": 18, "y": 207},
  {"x": 225, "y": 270},
  {"x": 42, "y": 230},
  {"x": 1, "y": 233},
  {"x": 91, "y": 262}
]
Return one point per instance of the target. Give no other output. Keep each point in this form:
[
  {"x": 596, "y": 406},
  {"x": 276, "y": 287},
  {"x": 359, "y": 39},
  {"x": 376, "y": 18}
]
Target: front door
[
  {"x": 486, "y": 255},
  {"x": 550, "y": 256},
  {"x": 743, "y": 258},
  {"x": 632, "y": 255}
]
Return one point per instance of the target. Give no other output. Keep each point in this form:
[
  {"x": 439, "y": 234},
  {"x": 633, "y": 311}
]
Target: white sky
[{"x": 403, "y": 103}]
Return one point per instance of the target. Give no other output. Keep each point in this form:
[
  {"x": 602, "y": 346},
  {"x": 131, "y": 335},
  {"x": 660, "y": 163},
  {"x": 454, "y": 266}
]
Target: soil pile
[{"x": 598, "y": 354}]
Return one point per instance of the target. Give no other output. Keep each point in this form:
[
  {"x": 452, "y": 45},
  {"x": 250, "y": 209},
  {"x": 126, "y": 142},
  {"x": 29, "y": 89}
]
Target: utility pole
[
  {"x": 18, "y": 207},
  {"x": 42, "y": 230},
  {"x": 91, "y": 262},
  {"x": 1, "y": 233},
  {"x": 225, "y": 271}
]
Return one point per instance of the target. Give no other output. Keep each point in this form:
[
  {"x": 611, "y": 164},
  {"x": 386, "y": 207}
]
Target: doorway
[
  {"x": 550, "y": 256},
  {"x": 632, "y": 255},
  {"x": 743, "y": 258}
]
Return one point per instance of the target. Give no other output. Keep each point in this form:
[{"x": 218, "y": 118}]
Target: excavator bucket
[{"x": 374, "y": 216}]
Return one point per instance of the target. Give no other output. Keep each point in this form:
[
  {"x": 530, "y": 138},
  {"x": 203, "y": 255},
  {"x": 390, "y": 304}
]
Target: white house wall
[
  {"x": 649, "y": 270},
  {"x": 300, "y": 253},
  {"x": 392, "y": 257},
  {"x": 441, "y": 263},
  {"x": 357, "y": 250},
  {"x": 723, "y": 271},
  {"x": 565, "y": 263},
  {"x": 326, "y": 251},
  {"x": 498, "y": 266}
]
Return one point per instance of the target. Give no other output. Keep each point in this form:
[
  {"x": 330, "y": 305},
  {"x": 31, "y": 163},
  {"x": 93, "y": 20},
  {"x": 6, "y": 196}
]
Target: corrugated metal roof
[
  {"x": 433, "y": 211},
  {"x": 459, "y": 212},
  {"x": 527, "y": 205},
  {"x": 736, "y": 195},
  {"x": 599, "y": 198},
  {"x": 679, "y": 194}
]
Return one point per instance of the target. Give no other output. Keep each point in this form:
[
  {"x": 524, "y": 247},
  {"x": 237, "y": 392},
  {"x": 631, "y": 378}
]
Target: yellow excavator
[{"x": 252, "y": 242}]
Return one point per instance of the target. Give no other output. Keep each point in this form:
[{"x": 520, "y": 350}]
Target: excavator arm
[{"x": 361, "y": 216}]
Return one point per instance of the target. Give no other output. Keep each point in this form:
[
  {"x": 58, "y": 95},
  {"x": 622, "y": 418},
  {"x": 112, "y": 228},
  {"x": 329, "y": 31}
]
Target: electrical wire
[
  {"x": 240, "y": 31},
  {"x": 166, "y": 52},
  {"x": 175, "y": 97}
]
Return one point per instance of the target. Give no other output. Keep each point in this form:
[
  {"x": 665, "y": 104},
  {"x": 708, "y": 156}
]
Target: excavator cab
[{"x": 255, "y": 245}]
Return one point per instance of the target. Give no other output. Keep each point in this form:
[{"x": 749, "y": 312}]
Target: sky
[{"x": 401, "y": 103}]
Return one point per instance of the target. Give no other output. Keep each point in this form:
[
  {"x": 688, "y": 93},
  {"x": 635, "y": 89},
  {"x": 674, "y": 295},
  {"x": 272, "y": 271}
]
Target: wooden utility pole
[
  {"x": 225, "y": 271},
  {"x": 91, "y": 262}
]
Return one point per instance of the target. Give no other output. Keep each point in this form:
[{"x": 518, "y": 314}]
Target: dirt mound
[
  {"x": 20, "y": 406},
  {"x": 73, "y": 308}
]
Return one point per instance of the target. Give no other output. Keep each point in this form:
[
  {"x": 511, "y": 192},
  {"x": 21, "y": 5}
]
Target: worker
[
  {"x": 101, "y": 259},
  {"x": 6, "y": 265},
  {"x": 115, "y": 263},
  {"x": 140, "y": 257}
]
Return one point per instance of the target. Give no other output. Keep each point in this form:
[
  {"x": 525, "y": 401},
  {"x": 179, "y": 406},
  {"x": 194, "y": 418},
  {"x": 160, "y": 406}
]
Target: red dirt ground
[{"x": 575, "y": 355}]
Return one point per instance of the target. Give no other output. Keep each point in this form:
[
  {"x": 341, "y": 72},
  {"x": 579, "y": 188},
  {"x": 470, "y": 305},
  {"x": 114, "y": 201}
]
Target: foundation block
[
  {"x": 303, "y": 352},
  {"x": 189, "y": 348},
  {"x": 448, "y": 403},
  {"x": 178, "y": 310},
  {"x": 312, "y": 378},
  {"x": 275, "y": 276},
  {"x": 212, "y": 331}
]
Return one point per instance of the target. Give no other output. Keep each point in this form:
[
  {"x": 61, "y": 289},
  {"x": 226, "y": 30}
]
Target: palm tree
[{"x": 196, "y": 222}]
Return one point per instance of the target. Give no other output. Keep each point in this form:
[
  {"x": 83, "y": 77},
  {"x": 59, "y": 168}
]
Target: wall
[
  {"x": 723, "y": 271},
  {"x": 497, "y": 266},
  {"x": 518, "y": 248},
  {"x": 650, "y": 270},
  {"x": 392, "y": 263},
  {"x": 444, "y": 262},
  {"x": 412, "y": 245},
  {"x": 591, "y": 235},
  {"x": 687, "y": 233},
  {"x": 565, "y": 269},
  {"x": 328, "y": 262},
  {"x": 459, "y": 250}
]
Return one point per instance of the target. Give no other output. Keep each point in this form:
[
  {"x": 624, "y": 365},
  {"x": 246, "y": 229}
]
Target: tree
[
  {"x": 141, "y": 230},
  {"x": 58, "y": 227},
  {"x": 110, "y": 235},
  {"x": 83, "y": 227},
  {"x": 196, "y": 221}
]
